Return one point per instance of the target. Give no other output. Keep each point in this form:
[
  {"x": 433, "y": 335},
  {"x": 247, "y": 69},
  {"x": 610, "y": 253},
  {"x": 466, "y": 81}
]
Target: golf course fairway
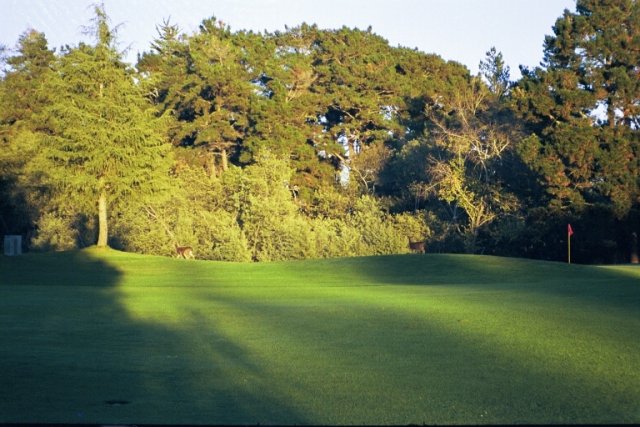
[{"x": 101, "y": 336}]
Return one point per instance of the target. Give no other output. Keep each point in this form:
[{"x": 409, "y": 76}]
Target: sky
[{"x": 459, "y": 30}]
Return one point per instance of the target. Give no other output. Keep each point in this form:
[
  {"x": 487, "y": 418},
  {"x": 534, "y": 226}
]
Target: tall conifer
[
  {"x": 99, "y": 138},
  {"x": 583, "y": 108}
]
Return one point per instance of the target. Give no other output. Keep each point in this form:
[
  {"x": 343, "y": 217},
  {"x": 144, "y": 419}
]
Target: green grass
[{"x": 435, "y": 339}]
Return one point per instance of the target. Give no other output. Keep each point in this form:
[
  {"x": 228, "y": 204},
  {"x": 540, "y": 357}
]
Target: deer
[
  {"x": 418, "y": 247},
  {"x": 185, "y": 252}
]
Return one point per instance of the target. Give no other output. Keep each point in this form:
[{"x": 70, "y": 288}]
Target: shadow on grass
[
  {"x": 71, "y": 352},
  {"x": 221, "y": 344},
  {"x": 375, "y": 363},
  {"x": 604, "y": 286}
]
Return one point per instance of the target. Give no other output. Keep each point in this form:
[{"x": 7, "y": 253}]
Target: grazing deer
[
  {"x": 185, "y": 252},
  {"x": 418, "y": 247}
]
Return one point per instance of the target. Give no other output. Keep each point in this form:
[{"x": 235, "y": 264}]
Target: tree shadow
[
  {"x": 15, "y": 215},
  {"x": 366, "y": 344},
  {"x": 378, "y": 361},
  {"x": 73, "y": 352},
  {"x": 605, "y": 286}
]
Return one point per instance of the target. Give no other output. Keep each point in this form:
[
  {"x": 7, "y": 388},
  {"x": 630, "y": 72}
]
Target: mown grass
[{"x": 103, "y": 336}]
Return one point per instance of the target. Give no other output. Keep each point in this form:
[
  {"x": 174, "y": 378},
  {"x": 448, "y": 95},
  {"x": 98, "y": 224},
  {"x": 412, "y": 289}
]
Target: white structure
[{"x": 12, "y": 245}]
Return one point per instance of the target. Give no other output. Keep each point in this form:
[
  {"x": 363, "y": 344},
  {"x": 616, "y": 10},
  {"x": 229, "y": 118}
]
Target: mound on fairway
[{"x": 108, "y": 337}]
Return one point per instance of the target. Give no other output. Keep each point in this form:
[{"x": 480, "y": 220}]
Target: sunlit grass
[{"x": 402, "y": 339}]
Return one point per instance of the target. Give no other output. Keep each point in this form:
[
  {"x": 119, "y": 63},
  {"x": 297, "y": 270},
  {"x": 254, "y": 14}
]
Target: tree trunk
[
  {"x": 611, "y": 113},
  {"x": 103, "y": 230},
  {"x": 225, "y": 163},
  {"x": 210, "y": 164},
  {"x": 470, "y": 241}
]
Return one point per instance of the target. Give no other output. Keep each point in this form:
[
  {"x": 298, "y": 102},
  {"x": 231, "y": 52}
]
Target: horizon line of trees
[{"x": 310, "y": 143}]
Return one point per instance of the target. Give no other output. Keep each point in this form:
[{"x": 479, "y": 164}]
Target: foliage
[
  {"x": 495, "y": 72},
  {"x": 21, "y": 99},
  {"x": 312, "y": 142},
  {"x": 97, "y": 135},
  {"x": 582, "y": 107}
]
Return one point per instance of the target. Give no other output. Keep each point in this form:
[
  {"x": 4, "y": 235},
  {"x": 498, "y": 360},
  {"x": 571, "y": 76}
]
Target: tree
[
  {"x": 216, "y": 103},
  {"x": 98, "y": 137},
  {"x": 359, "y": 79},
  {"x": 285, "y": 114},
  {"x": 202, "y": 83},
  {"x": 495, "y": 72},
  {"x": 21, "y": 98},
  {"x": 424, "y": 81},
  {"x": 583, "y": 108},
  {"x": 464, "y": 165}
]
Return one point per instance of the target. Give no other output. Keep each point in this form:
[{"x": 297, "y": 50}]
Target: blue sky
[{"x": 460, "y": 30}]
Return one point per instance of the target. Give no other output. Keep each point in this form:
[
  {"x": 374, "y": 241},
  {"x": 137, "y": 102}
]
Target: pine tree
[
  {"x": 99, "y": 137},
  {"x": 286, "y": 107},
  {"x": 361, "y": 89},
  {"x": 21, "y": 98},
  {"x": 583, "y": 107},
  {"x": 201, "y": 82},
  {"x": 495, "y": 72}
]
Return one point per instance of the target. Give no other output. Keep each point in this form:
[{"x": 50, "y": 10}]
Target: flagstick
[{"x": 568, "y": 248}]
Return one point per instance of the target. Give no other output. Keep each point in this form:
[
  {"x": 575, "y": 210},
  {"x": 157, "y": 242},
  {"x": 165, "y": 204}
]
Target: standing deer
[
  {"x": 185, "y": 252},
  {"x": 418, "y": 247}
]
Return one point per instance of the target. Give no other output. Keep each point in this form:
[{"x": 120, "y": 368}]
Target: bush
[
  {"x": 219, "y": 237},
  {"x": 54, "y": 233},
  {"x": 251, "y": 214},
  {"x": 378, "y": 234},
  {"x": 61, "y": 231}
]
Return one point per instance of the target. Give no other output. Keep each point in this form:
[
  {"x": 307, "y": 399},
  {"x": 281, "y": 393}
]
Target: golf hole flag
[{"x": 569, "y": 234}]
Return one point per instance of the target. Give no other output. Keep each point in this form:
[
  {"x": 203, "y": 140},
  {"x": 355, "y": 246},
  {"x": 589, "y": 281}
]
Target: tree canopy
[
  {"x": 314, "y": 143},
  {"x": 582, "y": 107}
]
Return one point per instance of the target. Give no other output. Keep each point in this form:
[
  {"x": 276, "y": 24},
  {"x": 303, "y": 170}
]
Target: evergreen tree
[
  {"x": 495, "y": 72},
  {"x": 582, "y": 107},
  {"x": 214, "y": 108},
  {"x": 21, "y": 98},
  {"x": 21, "y": 94},
  {"x": 99, "y": 139},
  {"x": 201, "y": 82},
  {"x": 285, "y": 115},
  {"x": 360, "y": 82}
]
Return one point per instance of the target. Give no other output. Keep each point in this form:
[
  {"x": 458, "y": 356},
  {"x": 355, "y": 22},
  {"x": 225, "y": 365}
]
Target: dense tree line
[{"x": 319, "y": 143}]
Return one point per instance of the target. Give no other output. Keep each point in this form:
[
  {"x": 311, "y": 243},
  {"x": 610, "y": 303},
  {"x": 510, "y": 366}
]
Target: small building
[{"x": 12, "y": 245}]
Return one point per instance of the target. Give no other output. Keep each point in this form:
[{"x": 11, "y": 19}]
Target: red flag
[{"x": 569, "y": 230}]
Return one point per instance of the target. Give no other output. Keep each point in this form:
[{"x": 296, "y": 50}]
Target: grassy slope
[{"x": 404, "y": 339}]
